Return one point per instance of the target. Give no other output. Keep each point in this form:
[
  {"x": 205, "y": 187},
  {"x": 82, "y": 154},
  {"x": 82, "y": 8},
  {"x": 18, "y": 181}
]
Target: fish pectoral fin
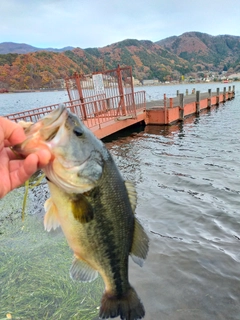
[
  {"x": 51, "y": 216},
  {"x": 132, "y": 194},
  {"x": 82, "y": 210},
  {"x": 81, "y": 271},
  {"x": 140, "y": 244}
]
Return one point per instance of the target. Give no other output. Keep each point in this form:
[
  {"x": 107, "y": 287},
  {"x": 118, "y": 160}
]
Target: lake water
[
  {"x": 14, "y": 102},
  {"x": 188, "y": 184}
]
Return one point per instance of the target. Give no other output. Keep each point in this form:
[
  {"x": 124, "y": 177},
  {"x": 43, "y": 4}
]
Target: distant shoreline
[{"x": 136, "y": 86}]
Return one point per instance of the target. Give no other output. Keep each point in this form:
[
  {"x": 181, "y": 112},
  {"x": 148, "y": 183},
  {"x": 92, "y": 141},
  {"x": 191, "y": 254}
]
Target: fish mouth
[
  {"x": 51, "y": 123},
  {"x": 40, "y": 134}
]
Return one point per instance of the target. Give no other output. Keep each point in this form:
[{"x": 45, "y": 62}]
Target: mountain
[
  {"x": 147, "y": 59},
  {"x": 35, "y": 70},
  {"x": 41, "y": 69},
  {"x": 192, "y": 54},
  {"x": 205, "y": 52},
  {"x": 12, "y": 47}
]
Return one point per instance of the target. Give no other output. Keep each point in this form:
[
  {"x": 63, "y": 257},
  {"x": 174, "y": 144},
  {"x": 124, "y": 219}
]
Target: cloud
[{"x": 97, "y": 23}]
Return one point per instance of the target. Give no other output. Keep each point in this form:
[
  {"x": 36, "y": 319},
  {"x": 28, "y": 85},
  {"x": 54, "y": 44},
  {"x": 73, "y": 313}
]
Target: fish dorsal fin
[
  {"x": 140, "y": 244},
  {"x": 81, "y": 271},
  {"x": 132, "y": 194},
  {"x": 51, "y": 216}
]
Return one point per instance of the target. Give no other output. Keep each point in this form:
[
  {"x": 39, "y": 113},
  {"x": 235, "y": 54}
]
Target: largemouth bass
[{"x": 94, "y": 206}]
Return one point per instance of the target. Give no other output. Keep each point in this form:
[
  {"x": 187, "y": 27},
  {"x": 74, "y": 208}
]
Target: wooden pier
[{"x": 106, "y": 103}]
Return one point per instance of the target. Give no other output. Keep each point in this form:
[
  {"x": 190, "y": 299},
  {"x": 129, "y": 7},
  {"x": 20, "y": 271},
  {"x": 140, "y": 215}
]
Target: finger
[
  {"x": 15, "y": 165},
  {"x": 44, "y": 156},
  {"x": 22, "y": 170},
  {"x": 11, "y": 131},
  {"x": 12, "y": 155}
]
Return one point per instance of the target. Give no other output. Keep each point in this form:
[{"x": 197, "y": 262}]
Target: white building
[{"x": 150, "y": 82}]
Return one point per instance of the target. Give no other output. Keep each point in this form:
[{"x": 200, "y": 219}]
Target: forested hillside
[{"x": 168, "y": 59}]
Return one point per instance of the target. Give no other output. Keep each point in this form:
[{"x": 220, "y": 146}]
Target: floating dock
[
  {"x": 168, "y": 111},
  {"x": 106, "y": 103}
]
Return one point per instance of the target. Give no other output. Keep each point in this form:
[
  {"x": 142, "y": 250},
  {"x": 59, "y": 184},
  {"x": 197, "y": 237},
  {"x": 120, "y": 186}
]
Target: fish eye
[{"x": 77, "y": 131}]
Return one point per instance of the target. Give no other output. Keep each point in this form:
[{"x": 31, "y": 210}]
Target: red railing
[
  {"x": 93, "y": 113},
  {"x": 34, "y": 115}
]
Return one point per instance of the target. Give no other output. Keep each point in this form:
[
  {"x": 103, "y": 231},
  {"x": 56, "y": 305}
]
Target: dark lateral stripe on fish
[
  {"x": 113, "y": 258},
  {"x": 108, "y": 237}
]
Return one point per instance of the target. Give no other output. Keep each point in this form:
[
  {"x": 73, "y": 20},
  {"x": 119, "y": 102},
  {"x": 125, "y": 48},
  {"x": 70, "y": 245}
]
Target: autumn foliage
[
  {"x": 44, "y": 69},
  {"x": 35, "y": 70},
  {"x": 191, "y": 54}
]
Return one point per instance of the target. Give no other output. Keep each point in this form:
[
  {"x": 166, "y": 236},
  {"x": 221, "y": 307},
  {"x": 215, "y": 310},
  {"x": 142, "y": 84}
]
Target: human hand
[{"x": 15, "y": 171}]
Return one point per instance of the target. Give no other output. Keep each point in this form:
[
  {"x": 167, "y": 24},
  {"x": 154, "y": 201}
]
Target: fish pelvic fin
[
  {"x": 128, "y": 307},
  {"x": 81, "y": 271},
  {"x": 132, "y": 194},
  {"x": 140, "y": 244},
  {"x": 51, "y": 215}
]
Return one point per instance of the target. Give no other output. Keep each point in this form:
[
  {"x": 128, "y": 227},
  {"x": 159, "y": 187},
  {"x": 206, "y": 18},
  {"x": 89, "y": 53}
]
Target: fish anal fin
[
  {"x": 81, "y": 271},
  {"x": 51, "y": 215},
  {"x": 82, "y": 209},
  {"x": 132, "y": 194},
  {"x": 140, "y": 244}
]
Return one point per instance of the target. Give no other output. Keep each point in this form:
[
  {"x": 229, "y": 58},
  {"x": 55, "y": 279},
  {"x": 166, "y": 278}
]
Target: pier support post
[
  {"x": 121, "y": 91},
  {"x": 217, "y": 97},
  {"x": 233, "y": 91},
  {"x": 229, "y": 93},
  {"x": 165, "y": 100},
  {"x": 80, "y": 92},
  {"x": 165, "y": 108},
  {"x": 186, "y": 92},
  {"x": 197, "y": 102},
  {"x": 224, "y": 94},
  {"x": 181, "y": 106},
  {"x": 108, "y": 103},
  {"x": 177, "y": 93},
  {"x": 209, "y": 98}
]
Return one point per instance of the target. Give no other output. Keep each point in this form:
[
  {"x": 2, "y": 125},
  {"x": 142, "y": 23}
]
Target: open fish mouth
[
  {"x": 51, "y": 123},
  {"x": 39, "y": 134}
]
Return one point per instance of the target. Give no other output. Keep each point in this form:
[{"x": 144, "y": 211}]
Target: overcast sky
[{"x": 97, "y": 23}]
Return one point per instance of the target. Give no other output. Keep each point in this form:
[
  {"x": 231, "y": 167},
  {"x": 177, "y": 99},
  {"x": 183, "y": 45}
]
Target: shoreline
[{"x": 135, "y": 86}]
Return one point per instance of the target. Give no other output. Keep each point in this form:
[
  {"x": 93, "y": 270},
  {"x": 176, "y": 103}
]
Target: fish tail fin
[{"x": 128, "y": 307}]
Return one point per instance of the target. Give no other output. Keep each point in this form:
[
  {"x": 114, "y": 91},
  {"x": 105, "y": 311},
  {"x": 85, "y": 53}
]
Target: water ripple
[{"x": 187, "y": 180}]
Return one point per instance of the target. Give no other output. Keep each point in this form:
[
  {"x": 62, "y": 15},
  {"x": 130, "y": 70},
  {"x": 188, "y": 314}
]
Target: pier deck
[
  {"x": 168, "y": 111},
  {"x": 104, "y": 120}
]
